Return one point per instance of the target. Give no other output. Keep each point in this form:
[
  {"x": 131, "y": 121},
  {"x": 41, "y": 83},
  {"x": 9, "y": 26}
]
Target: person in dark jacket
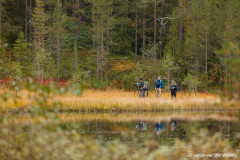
[
  {"x": 174, "y": 89},
  {"x": 142, "y": 90},
  {"x": 173, "y": 124},
  {"x": 141, "y": 126},
  {"x": 158, "y": 86}
]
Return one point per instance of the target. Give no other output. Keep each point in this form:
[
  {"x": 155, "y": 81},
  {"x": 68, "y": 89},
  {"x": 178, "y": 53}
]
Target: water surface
[{"x": 163, "y": 128}]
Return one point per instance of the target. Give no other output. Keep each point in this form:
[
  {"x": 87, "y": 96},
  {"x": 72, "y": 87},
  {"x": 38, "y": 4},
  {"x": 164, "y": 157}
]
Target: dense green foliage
[{"x": 52, "y": 39}]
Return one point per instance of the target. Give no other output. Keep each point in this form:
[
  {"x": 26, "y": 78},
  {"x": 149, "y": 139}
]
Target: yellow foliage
[{"x": 122, "y": 65}]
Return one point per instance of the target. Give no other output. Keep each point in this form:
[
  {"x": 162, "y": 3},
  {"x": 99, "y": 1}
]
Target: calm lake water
[
  {"x": 144, "y": 134},
  {"x": 163, "y": 128}
]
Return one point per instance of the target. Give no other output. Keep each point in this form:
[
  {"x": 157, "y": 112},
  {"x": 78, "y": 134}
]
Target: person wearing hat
[
  {"x": 174, "y": 89},
  {"x": 142, "y": 90},
  {"x": 158, "y": 86}
]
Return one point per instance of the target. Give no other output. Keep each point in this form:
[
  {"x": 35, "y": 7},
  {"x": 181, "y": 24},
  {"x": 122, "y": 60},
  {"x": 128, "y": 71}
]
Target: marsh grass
[
  {"x": 48, "y": 117},
  {"x": 149, "y": 117},
  {"x": 118, "y": 100}
]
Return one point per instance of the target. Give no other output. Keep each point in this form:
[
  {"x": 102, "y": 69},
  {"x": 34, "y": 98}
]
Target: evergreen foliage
[{"x": 91, "y": 35}]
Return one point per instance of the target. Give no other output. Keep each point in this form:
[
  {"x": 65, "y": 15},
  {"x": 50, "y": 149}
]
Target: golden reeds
[
  {"x": 150, "y": 117},
  {"x": 118, "y": 100}
]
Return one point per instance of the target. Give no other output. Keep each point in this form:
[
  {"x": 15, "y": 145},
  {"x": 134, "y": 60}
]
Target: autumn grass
[
  {"x": 27, "y": 119},
  {"x": 149, "y": 117},
  {"x": 117, "y": 100},
  {"x": 122, "y": 101}
]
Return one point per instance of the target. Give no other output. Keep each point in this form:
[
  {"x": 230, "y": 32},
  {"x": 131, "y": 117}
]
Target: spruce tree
[
  {"x": 21, "y": 52},
  {"x": 40, "y": 30},
  {"x": 58, "y": 30}
]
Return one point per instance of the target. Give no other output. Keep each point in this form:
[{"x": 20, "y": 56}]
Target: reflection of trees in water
[
  {"x": 96, "y": 132},
  {"x": 184, "y": 130}
]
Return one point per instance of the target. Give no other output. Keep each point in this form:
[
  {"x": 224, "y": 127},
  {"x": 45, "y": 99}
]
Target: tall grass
[
  {"x": 118, "y": 100},
  {"x": 26, "y": 118},
  {"x": 149, "y": 117}
]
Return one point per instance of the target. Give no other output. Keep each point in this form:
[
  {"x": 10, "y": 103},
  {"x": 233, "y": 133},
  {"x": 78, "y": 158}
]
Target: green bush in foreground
[{"x": 37, "y": 142}]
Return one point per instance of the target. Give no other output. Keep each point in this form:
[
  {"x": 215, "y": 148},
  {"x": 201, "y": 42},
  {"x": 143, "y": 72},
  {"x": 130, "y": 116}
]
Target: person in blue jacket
[
  {"x": 158, "y": 126},
  {"x": 174, "y": 89},
  {"x": 158, "y": 86}
]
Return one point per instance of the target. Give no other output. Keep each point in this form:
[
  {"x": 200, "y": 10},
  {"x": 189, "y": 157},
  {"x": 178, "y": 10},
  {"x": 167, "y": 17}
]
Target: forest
[
  {"x": 95, "y": 79},
  {"x": 113, "y": 43}
]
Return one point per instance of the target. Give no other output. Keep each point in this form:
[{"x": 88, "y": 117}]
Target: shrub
[
  {"x": 97, "y": 84},
  {"x": 128, "y": 81}
]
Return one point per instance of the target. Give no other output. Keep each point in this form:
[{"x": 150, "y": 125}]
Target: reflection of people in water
[
  {"x": 158, "y": 126},
  {"x": 173, "y": 124},
  {"x": 141, "y": 126}
]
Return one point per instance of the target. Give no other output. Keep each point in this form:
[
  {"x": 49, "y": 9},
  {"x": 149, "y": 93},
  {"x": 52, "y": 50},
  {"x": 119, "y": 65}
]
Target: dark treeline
[{"x": 194, "y": 42}]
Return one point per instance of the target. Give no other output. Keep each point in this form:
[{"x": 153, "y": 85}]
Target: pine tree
[
  {"x": 40, "y": 30},
  {"x": 21, "y": 52},
  {"x": 58, "y": 32},
  {"x": 168, "y": 65}
]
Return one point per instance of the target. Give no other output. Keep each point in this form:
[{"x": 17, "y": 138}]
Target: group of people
[
  {"x": 158, "y": 126},
  {"x": 159, "y": 84}
]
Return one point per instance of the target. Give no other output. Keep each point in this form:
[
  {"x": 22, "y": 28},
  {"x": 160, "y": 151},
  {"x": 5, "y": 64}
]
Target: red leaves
[{"x": 62, "y": 82}]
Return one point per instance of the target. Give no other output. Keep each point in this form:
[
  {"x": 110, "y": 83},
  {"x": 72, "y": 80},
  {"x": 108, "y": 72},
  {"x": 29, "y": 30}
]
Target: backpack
[{"x": 145, "y": 85}]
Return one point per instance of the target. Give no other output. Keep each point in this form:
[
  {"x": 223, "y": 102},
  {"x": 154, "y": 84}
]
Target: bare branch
[{"x": 7, "y": 16}]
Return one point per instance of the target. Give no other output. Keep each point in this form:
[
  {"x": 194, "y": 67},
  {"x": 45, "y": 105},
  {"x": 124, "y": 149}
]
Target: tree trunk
[
  {"x": 65, "y": 6},
  {"x": 229, "y": 73},
  {"x": 168, "y": 78},
  {"x": 42, "y": 74},
  {"x": 0, "y": 22},
  {"x": 78, "y": 15},
  {"x": 58, "y": 41},
  {"x": 187, "y": 21},
  {"x": 26, "y": 19},
  {"x": 107, "y": 43},
  {"x": 136, "y": 33},
  {"x": 93, "y": 23},
  {"x": 49, "y": 36},
  {"x": 206, "y": 57},
  {"x": 102, "y": 41},
  {"x": 144, "y": 28},
  {"x": 98, "y": 42},
  {"x": 180, "y": 30},
  {"x": 155, "y": 29},
  {"x": 196, "y": 61},
  {"x": 161, "y": 31},
  {"x": 75, "y": 37},
  {"x": 206, "y": 52},
  {"x": 30, "y": 27}
]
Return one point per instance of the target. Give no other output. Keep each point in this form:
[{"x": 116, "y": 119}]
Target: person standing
[
  {"x": 158, "y": 86},
  {"x": 141, "y": 87},
  {"x": 174, "y": 89}
]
